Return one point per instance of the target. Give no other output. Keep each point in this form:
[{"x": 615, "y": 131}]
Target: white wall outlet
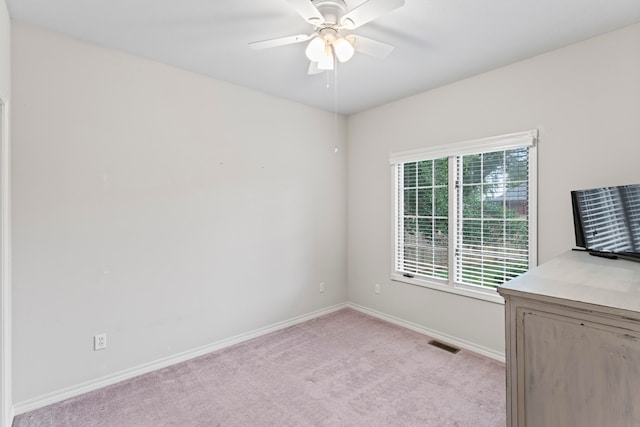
[
  {"x": 99, "y": 342},
  {"x": 321, "y": 287},
  {"x": 376, "y": 288}
]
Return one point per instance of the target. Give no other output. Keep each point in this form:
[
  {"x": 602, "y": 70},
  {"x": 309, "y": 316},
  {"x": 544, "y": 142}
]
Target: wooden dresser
[{"x": 573, "y": 343}]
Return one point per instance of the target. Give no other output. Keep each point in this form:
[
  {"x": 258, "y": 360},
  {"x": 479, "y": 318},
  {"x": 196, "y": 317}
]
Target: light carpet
[{"x": 342, "y": 369}]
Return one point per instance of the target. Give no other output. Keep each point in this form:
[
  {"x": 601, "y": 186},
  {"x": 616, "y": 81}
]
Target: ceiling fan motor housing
[{"x": 332, "y": 10}]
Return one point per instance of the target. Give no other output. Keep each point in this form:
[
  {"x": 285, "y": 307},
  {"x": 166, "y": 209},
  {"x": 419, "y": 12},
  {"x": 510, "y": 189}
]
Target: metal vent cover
[{"x": 445, "y": 347}]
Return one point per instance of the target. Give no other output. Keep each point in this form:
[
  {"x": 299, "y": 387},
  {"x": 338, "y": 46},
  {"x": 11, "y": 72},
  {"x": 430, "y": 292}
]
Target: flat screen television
[{"x": 607, "y": 220}]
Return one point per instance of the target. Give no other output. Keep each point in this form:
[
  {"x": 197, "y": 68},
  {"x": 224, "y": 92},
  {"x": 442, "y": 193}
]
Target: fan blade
[
  {"x": 368, "y": 11},
  {"x": 308, "y": 11},
  {"x": 281, "y": 41},
  {"x": 313, "y": 68},
  {"x": 370, "y": 47}
]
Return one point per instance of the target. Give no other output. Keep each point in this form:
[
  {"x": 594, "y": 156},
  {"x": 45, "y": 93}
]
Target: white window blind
[
  {"x": 492, "y": 221},
  {"x": 423, "y": 223}
]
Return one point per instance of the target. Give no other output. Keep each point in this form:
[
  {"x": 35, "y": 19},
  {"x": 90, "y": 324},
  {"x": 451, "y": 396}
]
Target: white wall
[
  {"x": 164, "y": 208},
  {"x": 5, "y": 247},
  {"x": 584, "y": 99}
]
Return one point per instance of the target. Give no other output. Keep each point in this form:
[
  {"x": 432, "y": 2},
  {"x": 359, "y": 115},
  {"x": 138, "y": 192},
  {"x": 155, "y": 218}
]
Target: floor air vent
[{"x": 444, "y": 346}]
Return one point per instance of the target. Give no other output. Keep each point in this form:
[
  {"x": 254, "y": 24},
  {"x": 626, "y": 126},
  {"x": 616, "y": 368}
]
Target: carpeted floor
[{"x": 342, "y": 369}]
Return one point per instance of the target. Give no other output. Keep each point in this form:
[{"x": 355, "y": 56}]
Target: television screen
[{"x": 608, "y": 219}]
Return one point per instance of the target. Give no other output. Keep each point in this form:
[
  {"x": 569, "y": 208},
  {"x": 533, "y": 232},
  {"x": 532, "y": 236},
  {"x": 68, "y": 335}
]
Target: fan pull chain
[{"x": 335, "y": 106}]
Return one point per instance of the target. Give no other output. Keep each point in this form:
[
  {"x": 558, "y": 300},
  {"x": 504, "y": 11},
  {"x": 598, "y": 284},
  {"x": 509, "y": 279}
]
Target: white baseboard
[
  {"x": 484, "y": 351},
  {"x": 85, "y": 387}
]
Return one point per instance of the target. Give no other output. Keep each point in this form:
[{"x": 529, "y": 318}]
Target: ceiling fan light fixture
[
  {"x": 344, "y": 50},
  {"x": 316, "y": 49},
  {"x": 326, "y": 62}
]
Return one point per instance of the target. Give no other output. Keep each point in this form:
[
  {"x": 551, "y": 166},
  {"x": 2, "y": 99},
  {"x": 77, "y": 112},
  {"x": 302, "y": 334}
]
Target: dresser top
[{"x": 580, "y": 277}]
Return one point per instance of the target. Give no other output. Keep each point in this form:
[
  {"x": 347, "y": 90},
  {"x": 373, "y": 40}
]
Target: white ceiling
[{"x": 437, "y": 41}]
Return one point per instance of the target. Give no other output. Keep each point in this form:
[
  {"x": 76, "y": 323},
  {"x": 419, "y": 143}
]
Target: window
[{"x": 464, "y": 214}]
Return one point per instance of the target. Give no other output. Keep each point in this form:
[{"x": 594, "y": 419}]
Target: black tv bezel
[{"x": 581, "y": 242}]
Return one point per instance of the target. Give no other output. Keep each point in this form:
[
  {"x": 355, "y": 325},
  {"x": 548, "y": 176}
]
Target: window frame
[{"x": 527, "y": 139}]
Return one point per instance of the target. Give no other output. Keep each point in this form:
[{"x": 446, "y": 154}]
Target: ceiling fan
[{"x": 330, "y": 20}]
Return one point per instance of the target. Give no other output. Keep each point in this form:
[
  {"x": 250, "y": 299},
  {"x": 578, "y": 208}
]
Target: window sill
[{"x": 489, "y": 295}]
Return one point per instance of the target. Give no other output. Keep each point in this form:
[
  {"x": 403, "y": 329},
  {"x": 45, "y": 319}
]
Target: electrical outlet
[
  {"x": 376, "y": 288},
  {"x": 321, "y": 287},
  {"x": 99, "y": 342}
]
